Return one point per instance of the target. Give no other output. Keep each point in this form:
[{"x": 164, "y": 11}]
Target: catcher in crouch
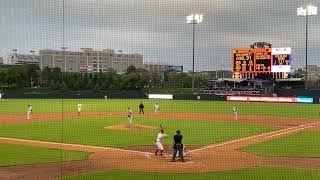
[{"x": 160, "y": 136}]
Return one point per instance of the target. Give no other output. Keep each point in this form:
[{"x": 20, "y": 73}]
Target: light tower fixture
[
  {"x": 307, "y": 11},
  {"x": 193, "y": 19}
]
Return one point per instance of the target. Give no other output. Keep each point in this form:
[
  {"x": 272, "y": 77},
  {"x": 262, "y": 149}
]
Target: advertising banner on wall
[
  {"x": 175, "y": 68},
  {"x": 160, "y": 96},
  {"x": 262, "y": 99},
  {"x": 270, "y": 99},
  {"x": 304, "y": 100}
]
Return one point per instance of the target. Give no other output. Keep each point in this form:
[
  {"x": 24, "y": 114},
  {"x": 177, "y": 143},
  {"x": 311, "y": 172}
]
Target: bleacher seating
[{"x": 231, "y": 91}]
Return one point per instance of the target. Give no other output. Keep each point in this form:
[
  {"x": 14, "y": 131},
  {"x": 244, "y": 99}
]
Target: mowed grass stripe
[
  {"x": 301, "y": 144},
  {"x": 13, "y": 106},
  {"x": 254, "y": 173},
  {"x": 91, "y": 131},
  {"x": 12, "y": 155}
]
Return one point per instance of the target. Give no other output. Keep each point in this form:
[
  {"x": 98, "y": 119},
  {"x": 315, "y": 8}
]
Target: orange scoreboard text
[{"x": 252, "y": 60}]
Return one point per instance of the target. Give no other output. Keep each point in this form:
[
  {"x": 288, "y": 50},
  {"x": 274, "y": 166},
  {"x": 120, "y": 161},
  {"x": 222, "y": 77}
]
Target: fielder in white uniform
[
  {"x": 235, "y": 112},
  {"x": 160, "y": 136},
  {"x": 29, "y": 112},
  {"x": 130, "y": 116},
  {"x": 156, "y": 108},
  {"x": 79, "y": 107}
]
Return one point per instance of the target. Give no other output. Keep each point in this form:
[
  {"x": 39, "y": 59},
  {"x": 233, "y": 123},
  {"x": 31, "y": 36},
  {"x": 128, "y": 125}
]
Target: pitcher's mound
[{"x": 134, "y": 127}]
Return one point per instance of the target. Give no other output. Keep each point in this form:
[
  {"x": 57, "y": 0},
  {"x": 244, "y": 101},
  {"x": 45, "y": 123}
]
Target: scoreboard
[
  {"x": 243, "y": 60},
  {"x": 263, "y": 60},
  {"x": 281, "y": 59},
  {"x": 252, "y": 60}
]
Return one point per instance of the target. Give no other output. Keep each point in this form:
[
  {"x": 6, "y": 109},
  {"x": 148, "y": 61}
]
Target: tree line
[{"x": 55, "y": 79}]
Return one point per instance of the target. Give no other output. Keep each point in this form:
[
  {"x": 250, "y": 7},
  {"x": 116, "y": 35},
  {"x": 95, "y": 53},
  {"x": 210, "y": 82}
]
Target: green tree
[
  {"x": 131, "y": 69},
  {"x": 32, "y": 74},
  {"x": 57, "y": 86},
  {"x": 201, "y": 81},
  {"x": 299, "y": 73},
  {"x": 56, "y": 74},
  {"x": 89, "y": 84},
  {"x": 46, "y": 76},
  {"x": 15, "y": 77},
  {"x": 2, "y": 77},
  {"x": 63, "y": 86}
]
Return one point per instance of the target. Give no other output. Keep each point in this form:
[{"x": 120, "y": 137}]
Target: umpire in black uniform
[
  {"x": 141, "y": 108},
  {"x": 177, "y": 146}
]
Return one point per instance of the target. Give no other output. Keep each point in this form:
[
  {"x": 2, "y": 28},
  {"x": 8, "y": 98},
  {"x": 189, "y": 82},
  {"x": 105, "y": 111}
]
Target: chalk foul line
[
  {"x": 268, "y": 136},
  {"x": 62, "y": 145}
]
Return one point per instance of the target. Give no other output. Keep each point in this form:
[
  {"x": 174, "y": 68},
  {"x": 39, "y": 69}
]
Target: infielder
[
  {"x": 130, "y": 116},
  {"x": 235, "y": 111},
  {"x": 156, "y": 108},
  {"x": 79, "y": 107},
  {"x": 159, "y": 145},
  {"x": 29, "y": 112}
]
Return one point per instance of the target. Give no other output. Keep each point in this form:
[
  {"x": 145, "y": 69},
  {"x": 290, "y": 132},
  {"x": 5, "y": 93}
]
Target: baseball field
[{"x": 268, "y": 141}]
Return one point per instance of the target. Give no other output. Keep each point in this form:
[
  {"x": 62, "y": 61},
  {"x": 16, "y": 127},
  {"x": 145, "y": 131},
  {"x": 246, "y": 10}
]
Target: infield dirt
[{"x": 133, "y": 127}]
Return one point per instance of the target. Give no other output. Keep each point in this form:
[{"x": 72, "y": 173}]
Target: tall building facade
[
  {"x": 313, "y": 71},
  {"x": 156, "y": 69},
  {"x": 19, "y": 59},
  {"x": 89, "y": 60}
]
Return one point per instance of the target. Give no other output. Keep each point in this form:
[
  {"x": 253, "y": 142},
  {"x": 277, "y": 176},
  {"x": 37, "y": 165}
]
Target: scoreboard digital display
[
  {"x": 243, "y": 60},
  {"x": 263, "y": 60},
  {"x": 252, "y": 60},
  {"x": 281, "y": 59}
]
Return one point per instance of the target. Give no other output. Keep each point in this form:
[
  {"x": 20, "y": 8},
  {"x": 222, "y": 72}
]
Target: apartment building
[
  {"x": 89, "y": 60},
  {"x": 20, "y": 59}
]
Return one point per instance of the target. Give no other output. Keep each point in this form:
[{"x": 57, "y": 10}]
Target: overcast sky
[{"x": 157, "y": 28}]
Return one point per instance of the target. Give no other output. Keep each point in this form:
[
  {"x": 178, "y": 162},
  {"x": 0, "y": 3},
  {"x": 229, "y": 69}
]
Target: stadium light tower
[
  {"x": 307, "y": 11},
  {"x": 193, "y": 19}
]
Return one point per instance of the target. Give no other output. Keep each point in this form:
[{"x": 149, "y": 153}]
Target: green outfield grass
[
  {"x": 12, "y": 155},
  {"x": 301, "y": 144},
  {"x": 255, "y": 173},
  {"x": 93, "y": 105},
  {"x": 91, "y": 131}
]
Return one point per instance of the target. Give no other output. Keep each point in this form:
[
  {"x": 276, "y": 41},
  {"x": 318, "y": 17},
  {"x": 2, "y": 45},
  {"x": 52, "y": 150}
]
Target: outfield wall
[
  {"x": 121, "y": 94},
  {"x": 299, "y": 92},
  {"x": 286, "y": 96}
]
